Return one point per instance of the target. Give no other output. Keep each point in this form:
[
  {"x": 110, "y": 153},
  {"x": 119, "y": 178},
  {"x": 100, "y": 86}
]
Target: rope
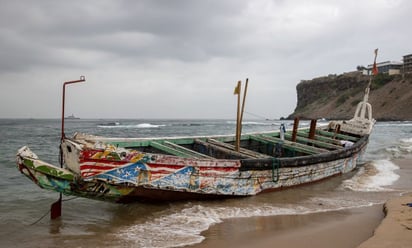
[
  {"x": 275, "y": 165},
  {"x": 38, "y": 220},
  {"x": 259, "y": 116},
  {"x": 44, "y": 215}
]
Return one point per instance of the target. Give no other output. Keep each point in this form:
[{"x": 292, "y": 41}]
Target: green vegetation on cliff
[{"x": 336, "y": 96}]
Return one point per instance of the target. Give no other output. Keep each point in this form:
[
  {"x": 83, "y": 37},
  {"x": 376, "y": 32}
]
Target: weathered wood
[
  {"x": 337, "y": 135},
  {"x": 171, "y": 150},
  {"x": 238, "y": 121},
  {"x": 130, "y": 144},
  {"x": 320, "y": 138},
  {"x": 317, "y": 143},
  {"x": 221, "y": 149},
  {"x": 295, "y": 129},
  {"x": 243, "y": 108},
  {"x": 312, "y": 129},
  {"x": 288, "y": 144},
  {"x": 188, "y": 151},
  {"x": 247, "y": 152}
]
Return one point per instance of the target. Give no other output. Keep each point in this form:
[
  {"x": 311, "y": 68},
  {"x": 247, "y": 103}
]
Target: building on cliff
[
  {"x": 392, "y": 67},
  {"x": 387, "y": 67},
  {"x": 407, "y": 64}
]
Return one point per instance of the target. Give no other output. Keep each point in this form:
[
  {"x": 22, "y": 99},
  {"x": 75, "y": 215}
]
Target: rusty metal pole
[
  {"x": 82, "y": 79},
  {"x": 56, "y": 207}
]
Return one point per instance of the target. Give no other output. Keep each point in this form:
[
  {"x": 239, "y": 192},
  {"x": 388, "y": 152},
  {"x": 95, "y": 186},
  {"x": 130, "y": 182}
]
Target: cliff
[{"x": 336, "y": 96}]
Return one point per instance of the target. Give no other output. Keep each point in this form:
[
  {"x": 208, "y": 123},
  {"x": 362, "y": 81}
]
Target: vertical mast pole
[
  {"x": 56, "y": 207},
  {"x": 243, "y": 106},
  {"x": 238, "y": 125},
  {"x": 82, "y": 79}
]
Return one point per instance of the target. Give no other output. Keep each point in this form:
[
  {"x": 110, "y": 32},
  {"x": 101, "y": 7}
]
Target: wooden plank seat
[
  {"x": 288, "y": 144},
  {"x": 171, "y": 150},
  {"x": 336, "y": 135},
  {"x": 250, "y": 153},
  {"x": 187, "y": 150},
  {"x": 315, "y": 142},
  {"x": 321, "y": 138},
  {"x": 220, "y": 149}
]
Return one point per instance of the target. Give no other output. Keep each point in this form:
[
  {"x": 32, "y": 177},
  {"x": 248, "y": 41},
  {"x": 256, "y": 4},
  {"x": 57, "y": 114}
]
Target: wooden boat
[{"x": 167, "y": 169}]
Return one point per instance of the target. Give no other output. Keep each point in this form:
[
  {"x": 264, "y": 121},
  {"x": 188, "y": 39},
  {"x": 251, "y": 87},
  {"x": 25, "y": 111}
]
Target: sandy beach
[
  {"x": 380, "y": 225},
  {"x": 396, "y": 228},
  {"x": 340, "y": 229}
]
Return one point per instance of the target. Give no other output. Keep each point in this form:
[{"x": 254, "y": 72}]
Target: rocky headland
[{"x": 336, "y": 96}]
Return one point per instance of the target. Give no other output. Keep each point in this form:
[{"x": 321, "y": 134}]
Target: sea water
[{"x": 24, "y": 208}]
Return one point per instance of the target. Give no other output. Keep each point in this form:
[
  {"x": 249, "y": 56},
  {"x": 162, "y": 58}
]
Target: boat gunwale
[
  {"x": 268, "y": 163},
  {"x": 301, "y": 161},
  {"x": 244, "y": 136}
]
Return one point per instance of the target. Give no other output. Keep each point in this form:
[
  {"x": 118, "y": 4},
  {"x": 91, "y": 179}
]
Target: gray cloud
[{"x": 189, "y": 49}]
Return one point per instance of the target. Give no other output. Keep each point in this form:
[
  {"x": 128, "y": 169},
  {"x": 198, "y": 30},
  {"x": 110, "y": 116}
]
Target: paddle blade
[{"x": 56, "y": 209}]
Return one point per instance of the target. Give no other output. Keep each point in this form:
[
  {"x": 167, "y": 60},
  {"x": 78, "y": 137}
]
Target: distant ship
[{"x": 71, "y": 117}]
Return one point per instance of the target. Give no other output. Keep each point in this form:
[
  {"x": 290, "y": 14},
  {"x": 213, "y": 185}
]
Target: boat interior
[{"x": 258, "y": 146}]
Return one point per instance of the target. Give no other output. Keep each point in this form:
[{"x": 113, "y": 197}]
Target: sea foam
[
  {"x": 128, "y": 126},
  {"x": 184, "y": 227},
  {"x": 376, "y": 176}
]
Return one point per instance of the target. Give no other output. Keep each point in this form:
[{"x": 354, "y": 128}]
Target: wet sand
[
  {"x": 339, "y": 229},
  {"x": 396, "y": 228},
  {"x": 382, "y": 225}
]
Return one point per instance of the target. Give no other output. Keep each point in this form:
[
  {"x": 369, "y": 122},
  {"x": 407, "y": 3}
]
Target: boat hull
[{"x": 155, "y": 177}]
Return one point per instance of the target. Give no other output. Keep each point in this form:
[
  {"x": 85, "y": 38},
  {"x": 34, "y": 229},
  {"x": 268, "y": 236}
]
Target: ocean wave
[
  {"x": 395, "y": 123},
  {"x": 375, "y": 176},
  {"x": 141, "y": 125},
  {"x": 109, "y": 124},
  {"x": 191, "y": 124},
  {"x": 405, "y": 145},
  {"x": 402, "y": 148},
  {"x": 251, "y": 123}
]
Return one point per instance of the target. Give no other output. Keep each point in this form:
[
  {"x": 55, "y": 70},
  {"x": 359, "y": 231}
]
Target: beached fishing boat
[
  {"x": 201, "y": 167},
  {"x": 166, "y": 169}
]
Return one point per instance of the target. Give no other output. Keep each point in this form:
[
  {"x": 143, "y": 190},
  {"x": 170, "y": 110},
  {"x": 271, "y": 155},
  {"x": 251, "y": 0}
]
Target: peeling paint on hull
[{"x": 170, "y": 178}]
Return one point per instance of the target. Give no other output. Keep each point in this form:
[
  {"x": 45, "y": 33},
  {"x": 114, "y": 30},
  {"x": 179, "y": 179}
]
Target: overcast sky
[{"x": 182, "y": 59}]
